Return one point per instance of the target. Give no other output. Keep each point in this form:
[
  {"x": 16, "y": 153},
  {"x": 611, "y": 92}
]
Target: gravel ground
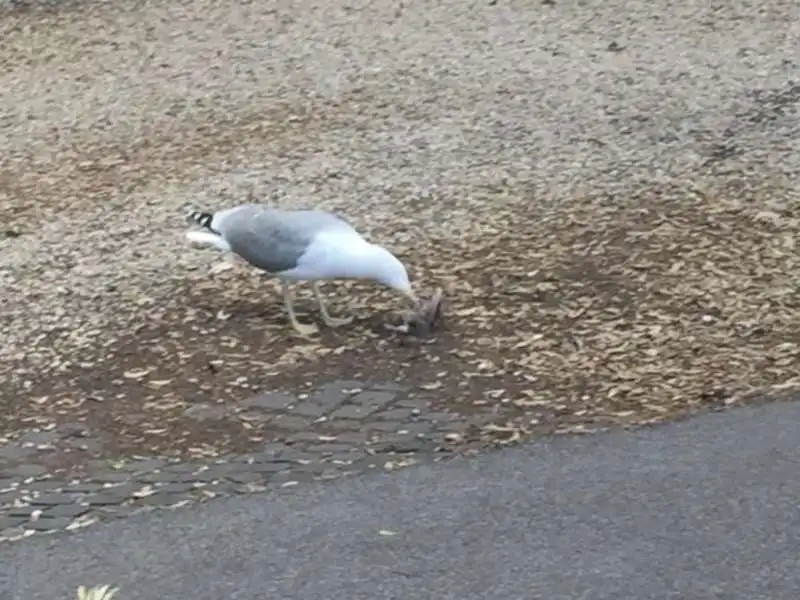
[{"x": 604, "y": 189}]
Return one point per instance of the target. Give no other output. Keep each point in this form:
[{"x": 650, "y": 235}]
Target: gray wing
[{"x": 272, "y": 239}]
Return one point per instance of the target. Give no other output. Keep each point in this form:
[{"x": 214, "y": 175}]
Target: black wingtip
[{"x": 203, "y": 219}]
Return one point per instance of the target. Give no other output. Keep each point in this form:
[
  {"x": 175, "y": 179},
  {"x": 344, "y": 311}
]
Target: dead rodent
[{"x": 425, "y": 319}]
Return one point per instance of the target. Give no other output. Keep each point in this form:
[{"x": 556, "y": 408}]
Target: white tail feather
[{"x": 204, "y": 239}]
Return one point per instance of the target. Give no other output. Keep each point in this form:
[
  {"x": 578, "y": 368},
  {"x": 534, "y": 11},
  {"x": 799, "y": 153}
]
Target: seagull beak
[{"x": 409, "y": 293}]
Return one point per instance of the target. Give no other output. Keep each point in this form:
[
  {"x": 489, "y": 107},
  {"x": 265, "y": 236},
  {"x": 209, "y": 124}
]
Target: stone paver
[{"x": 339, "y": 428}]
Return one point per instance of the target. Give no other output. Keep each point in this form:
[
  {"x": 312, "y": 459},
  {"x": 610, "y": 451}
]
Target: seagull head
[{"x": 389, "y": 271}]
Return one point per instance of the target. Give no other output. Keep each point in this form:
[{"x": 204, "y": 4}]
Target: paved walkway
[
  {"x": 707, "y": 508},
  {"x": 342, "y": 427}
]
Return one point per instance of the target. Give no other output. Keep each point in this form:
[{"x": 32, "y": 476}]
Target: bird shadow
[{"x": 271, "y": 314}]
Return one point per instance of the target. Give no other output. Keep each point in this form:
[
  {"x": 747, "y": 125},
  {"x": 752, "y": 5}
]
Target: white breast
[{"x": 334, "y": 255}]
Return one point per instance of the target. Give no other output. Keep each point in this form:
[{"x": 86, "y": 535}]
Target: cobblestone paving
[{"x": 342, "y": 427}]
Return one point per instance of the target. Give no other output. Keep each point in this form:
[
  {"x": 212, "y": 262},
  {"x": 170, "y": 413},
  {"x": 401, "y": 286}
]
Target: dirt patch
[{"x": 605, "y": 314}]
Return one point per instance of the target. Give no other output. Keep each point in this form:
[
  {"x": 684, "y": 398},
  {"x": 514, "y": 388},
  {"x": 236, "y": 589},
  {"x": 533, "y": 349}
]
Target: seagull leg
[
  {"x": 288, "y": 300},
  {"x": 329, "y": 320}
]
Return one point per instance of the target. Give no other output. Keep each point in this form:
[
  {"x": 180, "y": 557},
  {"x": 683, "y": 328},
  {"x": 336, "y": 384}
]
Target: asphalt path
[{"x": 707, "y": 508}]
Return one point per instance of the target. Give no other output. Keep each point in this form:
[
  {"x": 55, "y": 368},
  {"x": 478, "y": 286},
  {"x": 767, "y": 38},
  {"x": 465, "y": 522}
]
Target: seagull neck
[{"x": 366, "y": 261}]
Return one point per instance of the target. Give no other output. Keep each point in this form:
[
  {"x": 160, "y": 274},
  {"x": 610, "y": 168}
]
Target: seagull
[{"x": 300, "y": 246}]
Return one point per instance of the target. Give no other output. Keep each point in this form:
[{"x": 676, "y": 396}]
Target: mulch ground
[{"x": 607, "y": 312}]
